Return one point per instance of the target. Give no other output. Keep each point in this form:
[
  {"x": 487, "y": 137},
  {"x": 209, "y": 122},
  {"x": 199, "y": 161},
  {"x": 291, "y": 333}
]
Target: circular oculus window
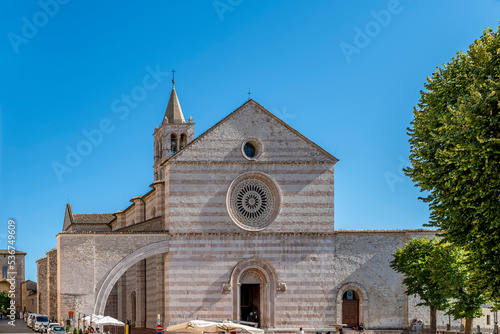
[
  {"x": 253, "y": 201},
  {"x": 251, "y": 149}
]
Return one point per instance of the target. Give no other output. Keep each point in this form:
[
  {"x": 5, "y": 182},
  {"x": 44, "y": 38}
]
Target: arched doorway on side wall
[{"x": 350, "y": 308}]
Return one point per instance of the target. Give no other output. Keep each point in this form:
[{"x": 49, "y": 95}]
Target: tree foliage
[
  {"x": 455, "y": 156},
  {"x": 437, "y": 273},
  {"x": 418, "y": 262},
  {"x": 4, "y": 301}
]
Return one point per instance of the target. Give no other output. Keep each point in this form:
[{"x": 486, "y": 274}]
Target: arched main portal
[
  {"x": 253, "y": 282},
  {"x": 121, "y": 267},
  {"x": 251, "y": 288}
]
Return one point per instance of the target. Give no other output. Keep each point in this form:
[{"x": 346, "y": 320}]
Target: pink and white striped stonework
[{"x": 238, "y": 224}]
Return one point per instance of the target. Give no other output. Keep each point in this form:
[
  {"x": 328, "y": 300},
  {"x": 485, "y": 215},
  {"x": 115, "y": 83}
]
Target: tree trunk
[
  {"x": 433, "y": 320},
  {"x": 468, "y": 326}
]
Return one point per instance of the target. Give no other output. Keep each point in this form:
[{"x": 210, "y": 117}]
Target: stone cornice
[
  {"x": 184, "y": 234},
  {"x": 7, "y": 252},
  {"x": 256, "y": 163},
  {"x": 386, "y": 231},
  {"x": 109, "y": 232},
  {"x": 252, "y": 234}
]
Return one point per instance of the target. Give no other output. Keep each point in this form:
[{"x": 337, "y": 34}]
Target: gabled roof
[
  {"x": 252, "y": 102},
  {"x": 85, "y": 218},
  {"x": 173, "y": 114},
  {"x": 92, "y": 218}
]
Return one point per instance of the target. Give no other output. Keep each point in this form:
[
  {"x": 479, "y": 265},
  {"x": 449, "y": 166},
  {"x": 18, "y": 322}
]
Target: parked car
[
  {"x": 58, "y": 330},
  {"x": 40, "y": 320},
  {"x": 50, "y": 326},
  {"x": 31, "y": 320}
]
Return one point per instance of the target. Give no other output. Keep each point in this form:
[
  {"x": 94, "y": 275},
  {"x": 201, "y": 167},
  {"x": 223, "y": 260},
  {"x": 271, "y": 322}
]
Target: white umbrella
[
  {"x": 200, "y": 326},
  {"x": 109, "y": 321},
  {"x": 92, "y": 317},
  {"x": 194, "y": 326},
  {"x": 231, "y": 326}
]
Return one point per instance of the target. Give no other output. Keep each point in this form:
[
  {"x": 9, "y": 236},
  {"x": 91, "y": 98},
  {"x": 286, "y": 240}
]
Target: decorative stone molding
[
  {"x": 226, "y": 287},
  {"x": 281, "y": 286}
]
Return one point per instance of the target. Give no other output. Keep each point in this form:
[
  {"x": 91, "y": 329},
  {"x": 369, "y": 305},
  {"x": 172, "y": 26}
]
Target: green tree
[
  {"x": 453, "y": 278},
  {"x": 455, "y": 156},
  {"x": 436, "y": 272},
  {"x": 4, "y": 301},
  {"x": 415, "y": 261}
]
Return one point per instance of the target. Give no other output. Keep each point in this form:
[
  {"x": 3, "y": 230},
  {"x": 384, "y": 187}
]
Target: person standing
[{"x": 301, "y": 331}]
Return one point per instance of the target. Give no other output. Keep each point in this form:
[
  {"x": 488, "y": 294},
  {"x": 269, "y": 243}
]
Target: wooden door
[
  {"x": 250, "y": 302},
  {"x": 350, "y": 312}
]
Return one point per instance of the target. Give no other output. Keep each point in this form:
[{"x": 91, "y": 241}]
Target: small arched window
[
  {"x": 183, "y": 141},
  {"x": 173, "y": 146}
]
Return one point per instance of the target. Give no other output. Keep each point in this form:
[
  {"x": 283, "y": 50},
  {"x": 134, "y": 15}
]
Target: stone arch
[
  {"x": 121, "y": 267},
  {"x": 269, "y": 280},
  {"x": 363, "y": 301}
]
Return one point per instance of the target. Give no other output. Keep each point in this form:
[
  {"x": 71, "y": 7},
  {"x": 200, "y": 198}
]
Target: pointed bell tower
[{"x": 172, "y": 135}]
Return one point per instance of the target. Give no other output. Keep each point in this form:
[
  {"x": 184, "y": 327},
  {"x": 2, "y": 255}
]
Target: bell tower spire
[
  {"x": 172, "y": 135},
  {"x": 173, "y": 113}
]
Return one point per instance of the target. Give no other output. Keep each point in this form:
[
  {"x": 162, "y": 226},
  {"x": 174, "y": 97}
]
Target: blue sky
[{"x": 346, "y": 74}]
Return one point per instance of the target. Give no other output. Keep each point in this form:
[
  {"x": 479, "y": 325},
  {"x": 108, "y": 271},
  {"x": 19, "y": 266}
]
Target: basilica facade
[{"x": 238, "y": 224}]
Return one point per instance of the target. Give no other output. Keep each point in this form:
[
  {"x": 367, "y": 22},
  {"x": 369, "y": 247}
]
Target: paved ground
[{"x": 20, "y": 327}]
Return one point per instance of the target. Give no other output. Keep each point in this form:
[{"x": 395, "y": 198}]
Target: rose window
[{"x": 252, "y": 202}]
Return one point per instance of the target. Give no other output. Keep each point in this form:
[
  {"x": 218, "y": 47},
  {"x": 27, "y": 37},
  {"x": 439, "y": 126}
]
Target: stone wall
[
  {"x": 42, "y": 285},
  {"x": 85, "y": 260},
  {"x": 52, "y": 284},
  {"x": 17, "y": 272},
  {"x": 29, "y": 296},
  {"x": 112, "y": 303},
  {"x": 196, "y": 199},
  {"x": 201, "y": 284},
  {"x": 154, "y": 224},
  {"x": 486, "y": 322},
  {"x": 198, "y": 178}
]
